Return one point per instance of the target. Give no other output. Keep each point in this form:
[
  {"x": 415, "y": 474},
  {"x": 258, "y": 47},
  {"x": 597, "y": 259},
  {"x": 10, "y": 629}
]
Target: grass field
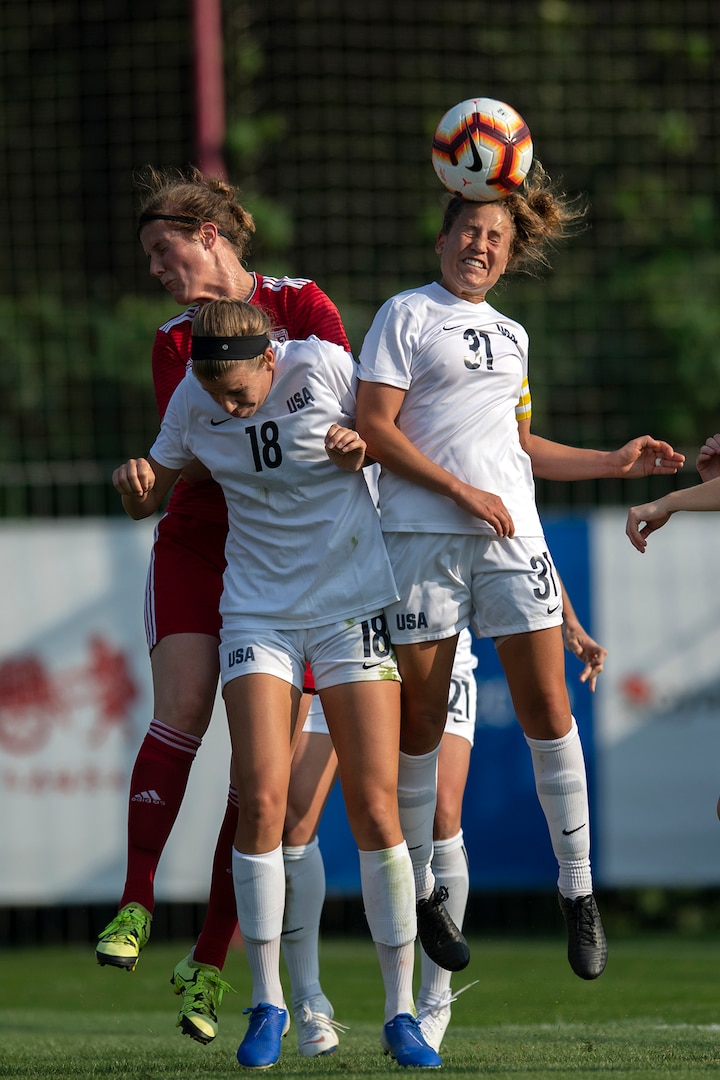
[{"x": 656, "y": 1010}]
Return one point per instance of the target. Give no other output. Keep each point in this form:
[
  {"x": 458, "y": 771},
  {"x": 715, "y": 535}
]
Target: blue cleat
[
  {"x": 261, "y": 1046},
  {"x": 403, "y": 1040}
]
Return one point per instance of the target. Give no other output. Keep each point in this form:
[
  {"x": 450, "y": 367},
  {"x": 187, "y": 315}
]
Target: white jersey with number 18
[{"x": 304, "y": 546}]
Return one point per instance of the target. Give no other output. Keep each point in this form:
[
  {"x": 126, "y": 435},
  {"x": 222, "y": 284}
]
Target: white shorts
[
  {"x": 462, "y": 703},
  {"x": 357, "y": 650},
  {"x": 498, "y": 586},
  {"x": 315, "y": 722}
]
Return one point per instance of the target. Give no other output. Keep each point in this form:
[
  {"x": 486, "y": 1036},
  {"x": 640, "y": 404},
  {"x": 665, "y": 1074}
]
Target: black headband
[
  {"x": 228, "y": 348},
  {"x": 197, "y": 222}
]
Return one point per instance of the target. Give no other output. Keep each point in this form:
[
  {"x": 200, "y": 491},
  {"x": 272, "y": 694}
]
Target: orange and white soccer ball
[{"x": 482, "y": 150}]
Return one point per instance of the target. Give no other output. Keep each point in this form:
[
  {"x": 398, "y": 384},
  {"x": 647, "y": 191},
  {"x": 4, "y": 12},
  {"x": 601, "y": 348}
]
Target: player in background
[
  {"x": 450, "y": 863},
  {"x": 651, "y": 516},
  {"x": 647, "y": 518},
  {"x": 197, "y": 237},
  {"x": 444, "y": 406},
  {"x": 306, "y": 579}
]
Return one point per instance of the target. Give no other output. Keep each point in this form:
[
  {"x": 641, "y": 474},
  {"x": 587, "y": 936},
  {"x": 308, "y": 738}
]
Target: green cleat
[
  {"x": 120, "y": 943},
  {"x": 202, "y": 992}
]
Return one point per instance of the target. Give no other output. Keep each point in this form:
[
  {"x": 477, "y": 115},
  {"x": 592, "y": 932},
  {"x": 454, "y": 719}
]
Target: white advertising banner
[
  {"x": 75, "y": 703},
  {"x": 657, "y": 714}
]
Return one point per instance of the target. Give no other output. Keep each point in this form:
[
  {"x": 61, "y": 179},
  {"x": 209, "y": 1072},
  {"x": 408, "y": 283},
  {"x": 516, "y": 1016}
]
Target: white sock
[
  {"x": 389, "y": 899},
  {"x": 450, "y": 867},
  {"x": 417, "y": 797},
  {"x": 561, "y": 784},
  {"x": 304, "y": 898},
  {"x": 396, "y": 965},
  {"x": 388, "y": 894},
  {"x": 260, "y": 899}
]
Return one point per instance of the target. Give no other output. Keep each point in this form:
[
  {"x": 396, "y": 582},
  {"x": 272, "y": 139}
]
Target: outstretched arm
[
  {"x": 656, "y": 514},
  {"x": 644, "y": 456}
]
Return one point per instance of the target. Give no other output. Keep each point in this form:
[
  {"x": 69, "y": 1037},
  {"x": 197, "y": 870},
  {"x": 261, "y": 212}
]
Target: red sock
[
  {"x": 157, "y": 788},
  {"x": 221, "y": 917}
]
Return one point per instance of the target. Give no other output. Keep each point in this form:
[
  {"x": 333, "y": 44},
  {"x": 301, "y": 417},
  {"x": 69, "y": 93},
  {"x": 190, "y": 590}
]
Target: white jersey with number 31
[{"x": 464, "y": 370}]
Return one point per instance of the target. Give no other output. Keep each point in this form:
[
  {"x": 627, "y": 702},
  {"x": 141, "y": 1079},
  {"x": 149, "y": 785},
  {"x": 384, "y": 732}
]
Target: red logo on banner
[
  {"x": 34, "y": 701},
  {"x": 636, "y": 689}
]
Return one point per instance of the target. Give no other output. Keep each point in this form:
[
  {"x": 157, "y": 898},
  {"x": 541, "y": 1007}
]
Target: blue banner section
[{"x": 505, "y": 832}]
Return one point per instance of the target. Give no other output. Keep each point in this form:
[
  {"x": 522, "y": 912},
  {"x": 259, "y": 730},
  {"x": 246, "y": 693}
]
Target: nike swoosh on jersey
[
  {"x": 459, "y": 325},
  {"x": 217, "y": 423}
]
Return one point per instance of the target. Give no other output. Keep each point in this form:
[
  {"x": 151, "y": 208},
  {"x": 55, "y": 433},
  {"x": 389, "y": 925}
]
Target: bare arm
[
  {"x": 143, "y": 484},
  {"x": 656, "y": 514},
  {"x": 555, "y": 461},
  {"x": 378, "y": 406},
  {"x": 580, "y": 644}
]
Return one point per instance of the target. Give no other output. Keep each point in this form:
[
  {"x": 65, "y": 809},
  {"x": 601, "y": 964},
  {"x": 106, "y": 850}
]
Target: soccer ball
[{"x": 482, "y": 150}]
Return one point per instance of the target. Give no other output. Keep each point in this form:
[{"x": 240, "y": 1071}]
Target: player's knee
[
  {"x": 421, "y": 728},
  {"x": 447, "y": 818},
  {"x": 187, "y": 710}
]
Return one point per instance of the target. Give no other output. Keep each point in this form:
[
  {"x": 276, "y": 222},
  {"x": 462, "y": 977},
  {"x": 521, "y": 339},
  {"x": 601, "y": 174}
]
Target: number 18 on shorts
[{"x": 354, "y": 650}]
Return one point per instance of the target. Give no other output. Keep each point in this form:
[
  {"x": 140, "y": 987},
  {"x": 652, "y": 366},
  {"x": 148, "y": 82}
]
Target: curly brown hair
[
  {"x": 542, "y": 216},
  {"x": 198, "y": 198}
]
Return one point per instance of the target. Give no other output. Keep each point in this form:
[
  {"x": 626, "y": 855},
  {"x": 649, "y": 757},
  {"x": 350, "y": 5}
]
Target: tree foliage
[{"x": 330, "y": 113}]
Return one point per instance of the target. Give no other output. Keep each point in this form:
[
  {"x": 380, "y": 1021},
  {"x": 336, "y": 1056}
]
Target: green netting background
[{"x": 330, "y": 109}]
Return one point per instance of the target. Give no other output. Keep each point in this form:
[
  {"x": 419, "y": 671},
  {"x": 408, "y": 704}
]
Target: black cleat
[
  {"x": 439, "y": 936},
  {"x": 587, "y": 946}
]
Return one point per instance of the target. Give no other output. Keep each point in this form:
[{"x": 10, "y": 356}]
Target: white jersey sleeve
[
  {"x": 171, "y": 447},
  {"x": 340, "y": 375}
]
